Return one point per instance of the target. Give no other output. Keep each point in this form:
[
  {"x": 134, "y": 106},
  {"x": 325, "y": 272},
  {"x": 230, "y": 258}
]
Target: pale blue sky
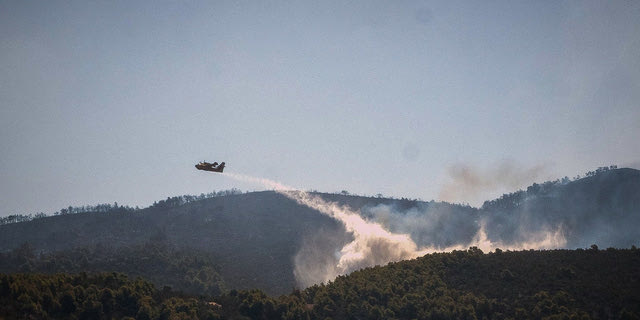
[{"x": 104, "y": 101}]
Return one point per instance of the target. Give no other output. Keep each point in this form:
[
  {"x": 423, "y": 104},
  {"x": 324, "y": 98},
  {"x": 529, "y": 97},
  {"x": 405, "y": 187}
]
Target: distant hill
[
  {"x": 254, "y": 237},
  {"x": 190, "y": 271},
  {"x": 602, "y": 208}
]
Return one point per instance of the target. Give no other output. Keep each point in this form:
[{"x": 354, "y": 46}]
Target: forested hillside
[
  {"x": 190, "y": 271},
  {"x": 250, "y": 240},
  {"x": 99, "y": 296},
  {"x": 557, "y": 284},
  {"x": 601, "y": 208},
  {"x": 253, "y": 236}
]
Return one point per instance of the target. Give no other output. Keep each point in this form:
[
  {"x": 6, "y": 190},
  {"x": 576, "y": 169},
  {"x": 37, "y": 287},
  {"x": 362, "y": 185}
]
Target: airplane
[{"x": 213, "y": 167}]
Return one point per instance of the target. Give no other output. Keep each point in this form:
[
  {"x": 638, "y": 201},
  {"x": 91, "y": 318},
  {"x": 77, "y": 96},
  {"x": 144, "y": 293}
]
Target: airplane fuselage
[{"x": 210, "y": 167}]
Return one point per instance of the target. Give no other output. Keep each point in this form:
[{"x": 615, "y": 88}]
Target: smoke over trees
[{"x": 601, "y": 208}]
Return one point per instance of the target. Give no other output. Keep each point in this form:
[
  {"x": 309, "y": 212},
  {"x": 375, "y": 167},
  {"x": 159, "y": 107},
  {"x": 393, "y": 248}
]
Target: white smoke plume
[
  {"x": 548, "y": 239},
  {"x": 372, "y": 244},
  {"x": 264, "y": 182}
]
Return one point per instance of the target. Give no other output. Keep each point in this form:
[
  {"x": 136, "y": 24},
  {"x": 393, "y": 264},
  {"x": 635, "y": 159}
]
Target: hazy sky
[{"x": 105, "y": 101}]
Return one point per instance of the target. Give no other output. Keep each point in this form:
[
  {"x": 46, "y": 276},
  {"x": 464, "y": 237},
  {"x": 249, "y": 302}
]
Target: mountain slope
[
  {"x": 255, "y": 237},
  {"x": 602, "y": 209},
  {"x": 557, "y": 284}
]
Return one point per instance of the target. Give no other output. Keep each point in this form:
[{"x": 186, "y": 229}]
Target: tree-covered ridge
[
  {"x": 603, "y": 208},
  {"x": 516, "y": 198},
  {"x": 255, "y": 237},
  {"x": 556, "y": 284},
  {"x": 176, "y": 201},
  {"x": 115, "y": 296},
  {"x": 115, "y": 208},
  {"x": 187, "y": 270}
]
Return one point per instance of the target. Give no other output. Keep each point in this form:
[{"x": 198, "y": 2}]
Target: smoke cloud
[
  {"x": 470, "y": 184},
  {"x": 439, "y": 227},
  {"x": 373, "y": 243}
]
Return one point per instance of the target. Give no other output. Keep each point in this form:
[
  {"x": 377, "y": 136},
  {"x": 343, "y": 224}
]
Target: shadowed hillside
[
  {"x": 602, "y": 208},
  {"x": 253, "y": 236}
]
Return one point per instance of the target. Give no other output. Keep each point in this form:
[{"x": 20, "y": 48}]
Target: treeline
[
  {"x": 111, "y": 208},
  {"x": 15, "y": 218},
  {"x": 187, "y": 270},
  {"x": 99, "y": 208},
  {"x": 377, "y": 195},
  {"x": 600, "y": 170},
  {"x": 506, "y": 200},
  {"x": 184, "y": 199},
  {"x": 170, "y": 202}
]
